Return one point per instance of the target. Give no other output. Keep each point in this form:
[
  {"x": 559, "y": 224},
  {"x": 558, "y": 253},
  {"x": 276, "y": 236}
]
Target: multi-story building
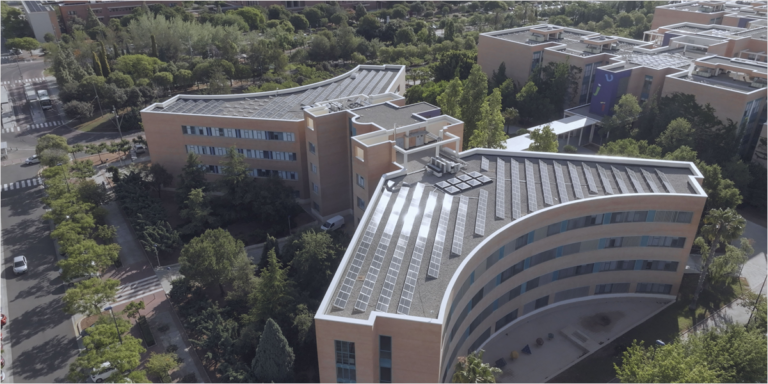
[
  {"x": 104, "y": 10},
  {"x": 42, "y": 18},
  {"x": 723, "y": 66},
  {"x": 443, "y": 263},
  {"x": 737, "y": 14},
  {"x": 299, "y": 5}
]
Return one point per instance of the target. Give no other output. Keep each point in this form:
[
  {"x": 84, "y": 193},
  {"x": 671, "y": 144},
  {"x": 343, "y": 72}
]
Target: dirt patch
[{"x": 601, "y": 322}]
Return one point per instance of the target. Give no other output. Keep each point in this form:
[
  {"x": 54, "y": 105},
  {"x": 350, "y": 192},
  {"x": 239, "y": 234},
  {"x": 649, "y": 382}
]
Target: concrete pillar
[
  {"x": 568, "y": 138},
  {"x": 592, "y": 133},
  {"x": 581, "y": 132}
]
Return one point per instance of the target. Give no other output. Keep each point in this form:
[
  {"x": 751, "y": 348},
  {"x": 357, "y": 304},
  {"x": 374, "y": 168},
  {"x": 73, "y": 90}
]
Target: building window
[
  {"x": 345, "y": 362},
  {"x": 316, "y": 206},
  {"x": 360, "y": 181},
  {"x": 360, "y": 203},
  {"x": 603, "y": 289},
  {"x": 653, "y": 288},
  {"x": 311, "y": 147},
  {"x": 237, "y": 133},
  {"x": 96, "y": 10},
  {"x": 646, "y": 88},
  {"x": 359, "y": 153},
  {"x": 315, "y": 188},
  {"x": 71, "y": 13},
  {"x": 385, "y": 359},
  {"x": 313, "y": 167},
  {"x": 536, "y": 60}
]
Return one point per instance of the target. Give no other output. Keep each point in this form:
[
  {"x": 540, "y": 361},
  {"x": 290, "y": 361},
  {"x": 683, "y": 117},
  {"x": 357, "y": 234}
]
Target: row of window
[
  {"x": 285, "y": 175},
  {"x": 249, "y": 153},
  {"x": 237, "y": 133},
  {"x": 541, "y": 302},
  {"x": 577, "y": 223}
]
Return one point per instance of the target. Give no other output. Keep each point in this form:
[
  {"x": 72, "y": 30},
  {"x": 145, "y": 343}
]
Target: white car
[
  {"x": 99, "y": 375},
  {"x": 19, "y": 265},
  {"x": 32, "y": 160},
  {"x": 140, "y": 148}
]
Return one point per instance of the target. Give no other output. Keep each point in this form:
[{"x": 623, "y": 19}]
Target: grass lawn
[
  {"x": 665, "y": 326},
  {"x": 104, "y": 123}
]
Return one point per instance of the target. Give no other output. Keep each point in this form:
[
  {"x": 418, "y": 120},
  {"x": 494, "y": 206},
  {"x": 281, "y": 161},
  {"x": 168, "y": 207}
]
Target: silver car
[
  {"x": 19, "y": 265},
  {"x": 32, "y": 160}
]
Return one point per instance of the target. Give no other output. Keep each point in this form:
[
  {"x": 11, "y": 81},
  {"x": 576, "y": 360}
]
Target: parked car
[
  {"x": 99, "y": 375},
  {"x": 333, "y": 224},
  {"x": 19, "y": 265},
  {"x": 32, "y": 160},
  {"x": 140, "y": 148}
]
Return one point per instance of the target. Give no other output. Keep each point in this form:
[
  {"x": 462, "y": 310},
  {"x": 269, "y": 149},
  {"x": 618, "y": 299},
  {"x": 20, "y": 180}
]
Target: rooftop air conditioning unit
[
  {"x": 537, "y": 37},
  {"x": 757, "y": 84},
  {"x": 703, "y": 73},
  {"x": 594, "y": 49}
]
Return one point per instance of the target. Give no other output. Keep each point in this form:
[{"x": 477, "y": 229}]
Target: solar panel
[
  {"x": 464, "y": 177},
  {"x": 591, "y": 185},
  {"x": 619, "y": 180},
  {"x": 452, "y": 190},
  {"x": 482, "y": 208},
  {"x": 385, "y": 297},
  {"x": 545, "y": 185},
  {"x": 406, "y": 298},
  {"x": 461, "y": 221},
  {"x": 453, "y": 181},
  {"x": 462, "y": 186},
  {"x": 442, "y": 230},
  {"x": 604, "y": 179},
  {"x": 514, "y": 171},
  {"x": 484, "y": 163},
  {"x": 501, "y": 183},
  {"x": 633, "y": 177},
  {"x": 443, "y": 184},
  {"x": 560, "y": 183},
  {"x": 531, "y": 186},
  {"x": 484, "y": 179},
  {"x": 665, "y": 181},
  {"x": 650, "y": 180},
  {"x": 362, "y": 251},
  {"x": 381, "y": 250},
  {"x": 575, "y": 182},
  {"x": 475, "y": 174}
]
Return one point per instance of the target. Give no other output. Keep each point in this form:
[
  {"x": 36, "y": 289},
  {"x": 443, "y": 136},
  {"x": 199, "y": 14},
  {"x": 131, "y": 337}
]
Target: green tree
[
  {"x": 197, "y": 214},
  {"x": 159, "y": 364},
  {"x": 499, "y": 77},
  {"x": 490, "y": 131},
  {"x": 533, "y": 106},
  {"x": 630, "y": 148},
  {"x": 271, "y": 244},
  {"x": 97, "y": 65},
  {"x": 360, "y": 11},
  {"x": 153, "y": 44},
  {"x": 449, "y": 100},
  {"x": 472, "y": 99},
  {"x": 124, "y": 357},
  {"x": 625, "y": 112},
  {"x": 138, "y": 66},
  {"x": 299, "y": 22},
  {"x": 274, "y": 357},
  {"x": 192, "y": 177},
  {"x": 314, "y": 260},
  {"x": 368, "y": 26},
  {"x": 271, "y": 294},
  {"x": 471, "y": 369},
  {"x": 105, "y": 332},
  {"x": 218, "y": 84},
  {"x": 133, "y": 309},
  {"x": 52, "y": 150},
  {"x": 120, "y": 79},
  {"x": 89, "y": 297},
  {"x": 677, "y": 134},
  {"x": 312, "y": 16},
  {"x": 719, "y": 225},
  {"x": 721, "y": 192},
  {"x": 454, "y": 63},
  {"x": 252, "y": 16},
  {"x": 235, "y": 181},
  {"x": 159, "y": 177},
  {"x": 209, "y": 258},
  {"x": 544, "y": 140},
  {"x": 13, "y": 23},
  {"x": 725, "y": 267},
  {"x": 23, "y": 44},
  {"x": 103, "y": 59}
]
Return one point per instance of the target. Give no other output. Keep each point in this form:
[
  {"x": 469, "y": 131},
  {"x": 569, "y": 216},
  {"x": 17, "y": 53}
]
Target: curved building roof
[{"x": 286, "y": 104}]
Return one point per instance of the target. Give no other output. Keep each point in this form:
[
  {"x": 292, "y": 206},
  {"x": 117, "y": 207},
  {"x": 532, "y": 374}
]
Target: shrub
[
  {"x": 78, "y": 109},
  {"x": 570, "y": 149}
]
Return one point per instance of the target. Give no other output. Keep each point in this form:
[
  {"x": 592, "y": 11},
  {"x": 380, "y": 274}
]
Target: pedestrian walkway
[
  {"x": 130, "y": 249},
  {"x": 24, "y": 81},
  {"x": 137, "y": 289},
  {"x": 33, "y": 182},
  {"x": 49, "y": 124}
]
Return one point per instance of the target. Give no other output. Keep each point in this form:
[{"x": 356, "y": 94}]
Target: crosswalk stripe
[
  {"x": 46, "y": 124},
  {"x": 5, "y": 187}
]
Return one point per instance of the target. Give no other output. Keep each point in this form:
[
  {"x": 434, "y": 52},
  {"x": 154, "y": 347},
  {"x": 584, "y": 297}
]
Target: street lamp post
[
  {"x": 157, "y": 256},
  {"x": 118, "y": 121},
  {"x": 115, "y": 320}
]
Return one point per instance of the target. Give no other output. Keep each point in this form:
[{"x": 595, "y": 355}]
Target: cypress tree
[
  {"x": 116, "y": 51},
  {"x": 154, "y": 45},
  {"x": 472, "y": 99},
  {"x": 97, "y": 65},
  {"x": 104, "y": 62},
  {"x": 274, "y": 357},
  {"x": 269, "y": 245}
]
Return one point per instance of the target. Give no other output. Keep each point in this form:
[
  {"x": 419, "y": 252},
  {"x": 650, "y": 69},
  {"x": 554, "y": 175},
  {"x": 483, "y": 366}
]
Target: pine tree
[
  {"x": 449, "y": 100},
  {"x": 270, "y": 244},
  {"x": 490, "y": 130},
  {"x": 104, "y": 62},
  {"x": 97, "y": 65},
  {"x": 500, "y": 76},
  {"x": 154, "y": 45},
  {"x": 274, "y": 357},
  {"x": 268, "y": 300},
  {"x": 192, "y": 177},
  {"x": 472, "y": 99}
]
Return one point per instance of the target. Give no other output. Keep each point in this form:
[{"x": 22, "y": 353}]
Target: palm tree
[
  {"x": 720, "y": 225},
  {"x": 471, "y": 369}
]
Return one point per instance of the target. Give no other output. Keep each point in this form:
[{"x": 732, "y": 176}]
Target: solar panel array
[
  {"x": 545, "y": 185},
  {"x": 482, "y": 207},
  {"x": 531, "y": 186},
  {"x": 619, "y": 180},
  {"x": 385, "y": 297},
  {"x": 575, "y": 182},
  {"x": 500, "y": 189},
  {"x": 665, "y": 181},
  {"x": 604, "y": 179},
  {"x": 442, "y": 229},
  {"x": 560, "y": 183},
  {"x": 381, "y": 250},
  {"x": 484, "y": 163},
  {"x": 633, "y": 177},
  {"x": 514, "y": 171},
  {"x": 461, "y": 222},
  {"x": 409, "y": 288},
  {"x": 463, "y": 182},
  {"x": 651, "y": 182},
  {"x": 590, "y": 179},
  {"x": 362, "y": 251}
]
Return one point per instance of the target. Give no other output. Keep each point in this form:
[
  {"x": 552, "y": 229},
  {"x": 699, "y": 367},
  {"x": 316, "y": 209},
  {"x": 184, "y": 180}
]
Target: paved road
[{"x": 39, "y": 337}]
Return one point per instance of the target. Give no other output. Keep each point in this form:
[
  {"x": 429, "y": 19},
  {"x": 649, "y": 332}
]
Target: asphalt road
[{"x": 40, "y": 334}]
